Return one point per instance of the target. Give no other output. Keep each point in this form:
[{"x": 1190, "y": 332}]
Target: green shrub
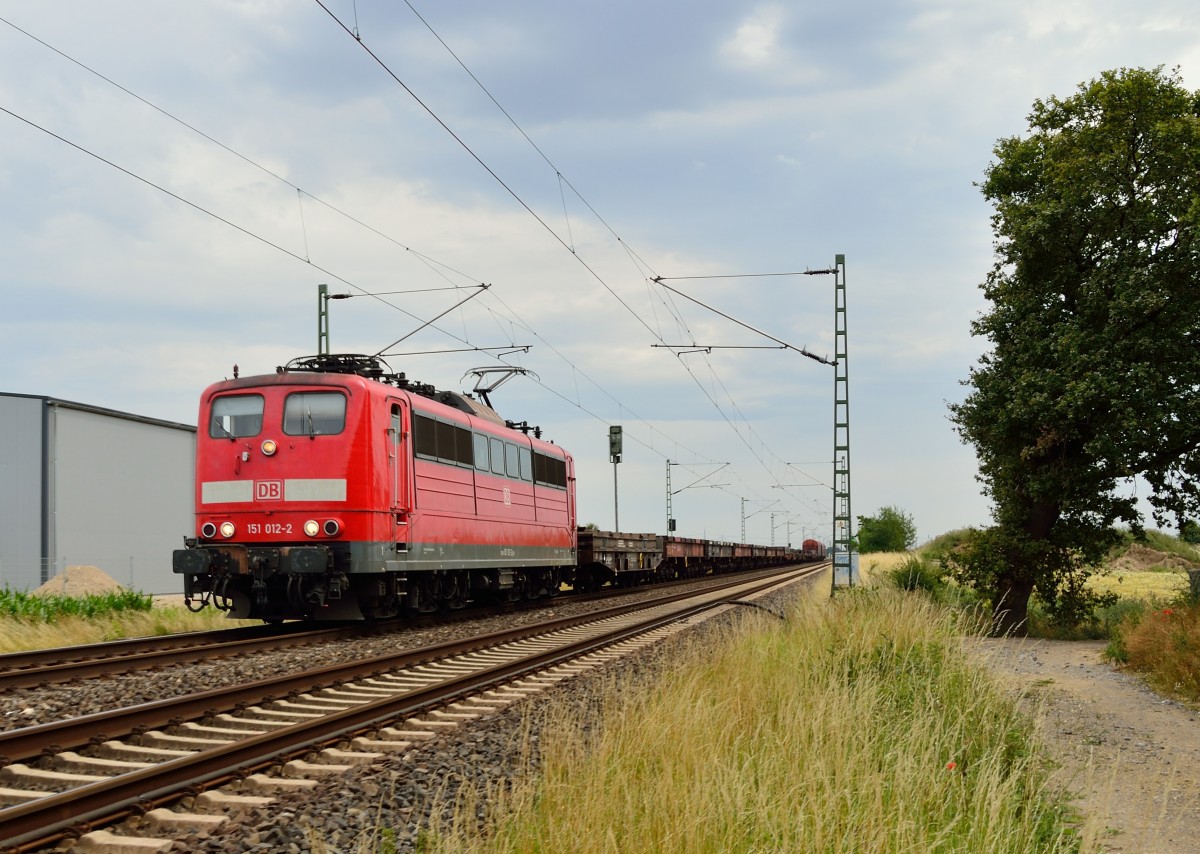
[
  {"x": 941, "y": 546},
  {"x": 916, "y": 573},
  {"x": 1164, "y": 644}
]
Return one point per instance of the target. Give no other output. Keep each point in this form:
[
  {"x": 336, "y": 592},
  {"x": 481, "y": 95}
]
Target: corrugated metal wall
[
  {"x": 21, "y": 499},
  {"x": 123, "y": 493},
  {"x": 118, "y": 493}
]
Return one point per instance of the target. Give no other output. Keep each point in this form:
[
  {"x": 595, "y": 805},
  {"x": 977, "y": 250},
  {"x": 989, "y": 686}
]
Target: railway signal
[{"x": 614, "y": 454}]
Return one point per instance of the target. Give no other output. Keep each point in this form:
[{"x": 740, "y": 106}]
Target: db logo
[
  {"x": 268, "y": 490},
  {"x": 507, "y": 496}
]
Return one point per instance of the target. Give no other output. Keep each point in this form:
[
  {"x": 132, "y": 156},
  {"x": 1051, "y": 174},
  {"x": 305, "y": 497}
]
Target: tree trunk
[
  {"x": 1010, "y": 608},
  {"x": 1014, "y": 586}
]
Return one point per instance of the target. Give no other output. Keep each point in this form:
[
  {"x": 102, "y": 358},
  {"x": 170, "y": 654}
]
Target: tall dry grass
[
  {"x": 873, "y": 565},
  {"x": 1145, "y": 586},
  {"x": 856, "y": 726}
]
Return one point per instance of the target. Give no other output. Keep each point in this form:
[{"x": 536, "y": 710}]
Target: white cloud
[
  {"x": 758, "y": 140},
  {"x": 755, "y": 42}
]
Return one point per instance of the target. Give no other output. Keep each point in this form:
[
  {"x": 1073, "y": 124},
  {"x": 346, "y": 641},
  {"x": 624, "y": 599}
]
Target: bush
[
  {"x": 1163, "y": 643},
  {"x": 916, "y": 573},
  {"x": 940, "y": 547}
]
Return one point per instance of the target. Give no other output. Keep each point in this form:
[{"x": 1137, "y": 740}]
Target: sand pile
[
  {"x": 1141, "y": 557},
  {"x": 79, "y": 581}
]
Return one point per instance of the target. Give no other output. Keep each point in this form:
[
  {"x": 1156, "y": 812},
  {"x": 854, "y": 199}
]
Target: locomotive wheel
[
  {"x": 452, "y": 590},
  {"x": 423, "y": 594}
]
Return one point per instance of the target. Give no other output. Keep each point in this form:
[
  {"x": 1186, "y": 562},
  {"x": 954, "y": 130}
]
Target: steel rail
[
  {"x": 55, "y": 665},
  {"x": 55, "y": 817},
  {"x": 146, "y": 653},
  {"x": 19, "y": 745}
]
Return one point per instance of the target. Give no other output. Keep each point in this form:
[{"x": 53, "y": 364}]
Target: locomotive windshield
[
  {"x": 235, "y": 416},
  {"x": 314, "y": 413}
]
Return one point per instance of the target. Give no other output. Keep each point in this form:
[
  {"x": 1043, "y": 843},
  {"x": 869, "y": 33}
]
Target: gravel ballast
[
  {"x": 395, "y": 797},
  {"x": 32, "y": 706},
  {"x": 401, "y": 797}
]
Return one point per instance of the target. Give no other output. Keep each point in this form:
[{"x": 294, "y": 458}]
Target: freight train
[{"x": 336, "y": 489}]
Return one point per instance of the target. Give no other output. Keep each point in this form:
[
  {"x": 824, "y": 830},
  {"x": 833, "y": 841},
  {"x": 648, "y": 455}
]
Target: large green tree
[
  {"x": 1093, "y": 373},
  {"x": 889, "y": 530}
]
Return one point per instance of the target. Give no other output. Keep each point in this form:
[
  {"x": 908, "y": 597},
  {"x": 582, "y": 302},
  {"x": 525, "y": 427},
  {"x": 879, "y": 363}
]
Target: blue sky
[{"x": 672, "y": 139}]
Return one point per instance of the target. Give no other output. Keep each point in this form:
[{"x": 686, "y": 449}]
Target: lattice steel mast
[{"x": 843, "y": 535}]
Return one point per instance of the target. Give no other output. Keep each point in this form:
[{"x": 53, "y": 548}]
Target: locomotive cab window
[
  {"x": 235, "y": 416},
  {"x": 314, "y": 413}
]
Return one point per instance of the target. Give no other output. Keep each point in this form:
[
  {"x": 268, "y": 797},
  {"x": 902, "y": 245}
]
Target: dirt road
[{"x": 1131, "y": 756}]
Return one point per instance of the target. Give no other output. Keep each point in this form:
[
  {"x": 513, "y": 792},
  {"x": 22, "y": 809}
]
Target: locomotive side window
[
  {"x": 235, "y": 416},
  {"x": 443, "y": 441},
  {"x": 464, "y": 448},
  {"x": 314, "y": 413},
  {"x": 424, "y": 436},
  {"x": 549, "y": 471},
  {"x": 454, "y": 444},
  {"x": 510, "y": 460},
  {"x": 497, "y": 456},
  {"x": 481, "y": 452},
  {"x": 526, "y": 464}
]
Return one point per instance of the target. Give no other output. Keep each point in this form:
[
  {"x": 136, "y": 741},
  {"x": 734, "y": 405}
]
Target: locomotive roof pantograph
[{"x": 375, "y": 368}]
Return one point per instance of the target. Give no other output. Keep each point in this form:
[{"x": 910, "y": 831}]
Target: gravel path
[{"x": 1132, "y": 756}]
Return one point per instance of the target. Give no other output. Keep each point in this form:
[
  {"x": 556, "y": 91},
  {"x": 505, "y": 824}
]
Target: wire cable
[{"x": 433, "y": 264}]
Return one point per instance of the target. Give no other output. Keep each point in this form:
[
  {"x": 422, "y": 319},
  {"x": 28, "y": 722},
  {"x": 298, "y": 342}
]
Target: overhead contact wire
[
  {"x": 516, "y": 196},
  {"x": 433, "y": 264},
  {"x": 520, "y": 200}
]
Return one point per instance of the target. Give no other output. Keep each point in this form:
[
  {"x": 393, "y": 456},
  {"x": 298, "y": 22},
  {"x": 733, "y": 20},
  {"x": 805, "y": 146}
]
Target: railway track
[
  {"x": 39, "y": 667},
  {"x": 36, "y": 668},
  {"x": 62, "y": 779}
]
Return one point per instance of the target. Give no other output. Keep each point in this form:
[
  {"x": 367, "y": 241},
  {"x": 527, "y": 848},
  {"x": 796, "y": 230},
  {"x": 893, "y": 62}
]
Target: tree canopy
[
  {"x": 1093, "y": 375},
  {"x": 889, "y": 530}
]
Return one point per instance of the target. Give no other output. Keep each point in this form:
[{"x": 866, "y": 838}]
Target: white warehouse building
[{"x": 83, "y": 485}]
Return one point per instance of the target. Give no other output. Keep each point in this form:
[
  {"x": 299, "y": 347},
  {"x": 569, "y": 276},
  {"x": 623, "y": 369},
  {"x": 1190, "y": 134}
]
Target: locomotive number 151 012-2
[{"x": 268, "y": 528}]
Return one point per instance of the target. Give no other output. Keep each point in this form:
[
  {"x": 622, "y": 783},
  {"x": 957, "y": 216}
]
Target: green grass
[
  {"x": 46, "y": 608},
  {"x": 859, "y": 725},
  {"x": 41, "y": 622},
  {"x": 944, "y": 544}
]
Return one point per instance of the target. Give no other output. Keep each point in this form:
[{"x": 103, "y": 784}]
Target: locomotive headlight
[
  {"x": 227, "y": 529},
  {"x": 208, "y": 530},
  {"x": 312, "y": 528},
  {"x": 269, "y": 447},
  {"x": 331, "y": 528}
]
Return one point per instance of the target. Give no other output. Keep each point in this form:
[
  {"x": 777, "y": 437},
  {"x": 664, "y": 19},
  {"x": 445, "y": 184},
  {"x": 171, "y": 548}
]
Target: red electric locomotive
[{"x": 335, "y": 489}]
